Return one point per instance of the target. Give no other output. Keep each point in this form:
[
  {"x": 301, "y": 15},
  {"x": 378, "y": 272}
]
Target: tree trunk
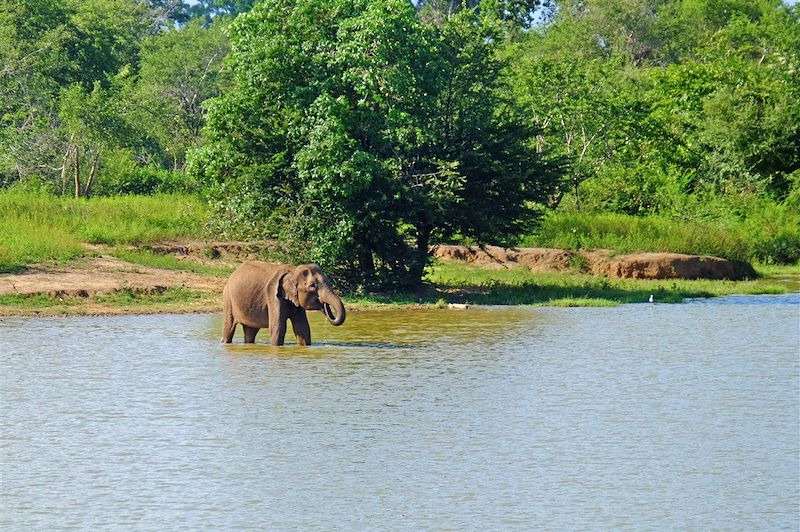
[
  {"x": 64, "y": 167},
  {"x": 367, "y": 262},
  {"x": 92, "y": 172},
  {"x": 77, "y": 174},
  {"x": 423, "y": 242}
]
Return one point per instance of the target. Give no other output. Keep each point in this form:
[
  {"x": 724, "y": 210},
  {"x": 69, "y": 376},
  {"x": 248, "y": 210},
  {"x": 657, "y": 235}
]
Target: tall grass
[
  {"x": 36, "y": 226},
  {"x": 771, "y": 236}
]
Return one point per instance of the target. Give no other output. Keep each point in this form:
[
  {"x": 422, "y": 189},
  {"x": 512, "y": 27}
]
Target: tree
[
  {"x": 585, "y": 107},
  {"x": 662, "y": 105},
  {"x": 92, "y": 121},
  {"x": 179, "y": 70},
  {"x": 355, "y": 128},
  {"x": 46, "y": 46},
  {"x": 208, "y": 9},
  {"x": 521, "y": 14},
  {"x": 733, "y": 108}
]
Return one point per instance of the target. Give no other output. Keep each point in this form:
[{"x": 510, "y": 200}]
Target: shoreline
[{"x": 133, "y": 281}]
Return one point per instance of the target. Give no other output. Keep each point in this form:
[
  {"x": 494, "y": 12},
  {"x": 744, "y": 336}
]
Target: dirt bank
[
  {"x": 103, "y": 275},
  {"x": 79, "y": 287},
  {"x": 601, "y": 262},
  {"x": 83, "y": 284}
]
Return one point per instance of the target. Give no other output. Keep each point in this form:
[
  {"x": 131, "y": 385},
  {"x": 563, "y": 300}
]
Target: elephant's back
[
  {"x": 259, "y": 269},
  {"x": 247, "y": 285}
]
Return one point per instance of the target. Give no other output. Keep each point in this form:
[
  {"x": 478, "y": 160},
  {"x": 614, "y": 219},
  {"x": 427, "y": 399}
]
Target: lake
[{"x": 637, "y": 417}]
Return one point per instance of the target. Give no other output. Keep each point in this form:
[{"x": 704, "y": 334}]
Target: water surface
[{"x": 635, "y": 417}]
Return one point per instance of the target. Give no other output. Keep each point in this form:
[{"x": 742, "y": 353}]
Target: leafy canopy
[{"x": 356, "y": 128}]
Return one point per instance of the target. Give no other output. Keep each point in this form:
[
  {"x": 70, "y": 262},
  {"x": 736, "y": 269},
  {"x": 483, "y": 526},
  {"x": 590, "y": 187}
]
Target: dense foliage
[
  {"x": 102, "y": 96},
  {"x": 665, "y": 106},
  {"x": 356, "y": 128},
  {"x": 359, "y": 132}
]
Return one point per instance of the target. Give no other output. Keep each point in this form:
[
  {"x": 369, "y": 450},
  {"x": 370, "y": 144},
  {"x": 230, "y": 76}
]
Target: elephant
[{"x": 263, "y": 294}]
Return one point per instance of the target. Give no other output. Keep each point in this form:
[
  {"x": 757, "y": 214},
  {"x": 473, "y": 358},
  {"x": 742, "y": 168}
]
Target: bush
[{"x": 120, "y": 174}]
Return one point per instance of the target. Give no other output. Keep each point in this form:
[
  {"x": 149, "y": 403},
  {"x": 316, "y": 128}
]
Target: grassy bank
[
  {"x": 446, "y": 282},
  {"x": 38, "y": 227},
  {"x": 125, "y": 301},
  {"x": 42, "y": 227},
  {"x": 770, "y": 234},
  {"x": 457, "y": 282},
  {"x": 463, "y": 283}
]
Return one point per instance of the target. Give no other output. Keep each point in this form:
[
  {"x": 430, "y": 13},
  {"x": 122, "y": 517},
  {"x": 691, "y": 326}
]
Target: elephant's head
[{"x": 307, "y": 287}]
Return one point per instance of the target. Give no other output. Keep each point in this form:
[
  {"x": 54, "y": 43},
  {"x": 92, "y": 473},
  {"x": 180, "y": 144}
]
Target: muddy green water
[{"x": 641, "y": 417}]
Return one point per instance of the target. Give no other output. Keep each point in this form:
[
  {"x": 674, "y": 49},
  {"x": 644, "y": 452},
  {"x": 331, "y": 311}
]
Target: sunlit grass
[
  {"x": 630, "y": 234},
  {"x": 465, "y": 283},
  {"x": 35, "y": 301},
  {"x": 145, "y": 257},
  {"x": 24, "y": 241},
  {"x": 37, "y": 226},
  {"x": 130, "y": 298},
  {"x": 121, "y": 301},
  {"x": 770, "y": 235},
  {"x": 580, "y": 302}
]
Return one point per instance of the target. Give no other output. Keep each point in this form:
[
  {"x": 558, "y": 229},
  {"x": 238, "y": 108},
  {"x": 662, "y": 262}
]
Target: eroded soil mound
[
  {"x": 601, "y": 262},
  {"x": 670, "y": 266},
  {"x": 535, "y": 259}
]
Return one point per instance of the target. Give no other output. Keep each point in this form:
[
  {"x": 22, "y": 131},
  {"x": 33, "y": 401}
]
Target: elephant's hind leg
[{"x": 249, "y": 334}]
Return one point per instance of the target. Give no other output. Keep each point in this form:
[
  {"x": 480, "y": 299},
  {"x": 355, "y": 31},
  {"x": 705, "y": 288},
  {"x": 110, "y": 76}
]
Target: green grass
[
  {"x": 35, "y": 302},
  {"x": 769, "y": 235},
  {"x": 38, "y": 226},
  {"x": 145, "y": 257},
  {"x": 24, "y": 241},
  {"x": 462, "y": 283},
  {"x": 126, "y": 300}
]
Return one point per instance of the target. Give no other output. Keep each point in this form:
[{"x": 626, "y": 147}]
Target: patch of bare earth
[{"x": 102, "y": 274}]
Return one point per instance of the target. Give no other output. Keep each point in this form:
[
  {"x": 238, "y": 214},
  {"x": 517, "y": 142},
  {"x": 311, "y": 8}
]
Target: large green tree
[
  {"x": 179, "y": 69},
  {"x": 665, "y": 106},
  {"x": 732, "y": 107},
  {"x": 47, "y": 46},
  {"x": 357, "y": 129}
]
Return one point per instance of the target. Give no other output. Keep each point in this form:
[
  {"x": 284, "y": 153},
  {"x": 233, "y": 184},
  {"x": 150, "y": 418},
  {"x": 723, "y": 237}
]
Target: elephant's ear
[{"x": 289, "y": 289}]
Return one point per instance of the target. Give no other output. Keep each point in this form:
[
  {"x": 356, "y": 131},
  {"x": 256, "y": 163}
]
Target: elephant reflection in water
[{"x": 262, "y": 295}]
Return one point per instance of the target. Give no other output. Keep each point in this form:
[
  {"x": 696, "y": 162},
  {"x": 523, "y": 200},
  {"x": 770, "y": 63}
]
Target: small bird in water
[{"x": 651, "y": 299}]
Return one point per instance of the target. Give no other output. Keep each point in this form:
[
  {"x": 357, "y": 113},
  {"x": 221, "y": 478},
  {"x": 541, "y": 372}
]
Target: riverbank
[{"x": 188, "y": 276}]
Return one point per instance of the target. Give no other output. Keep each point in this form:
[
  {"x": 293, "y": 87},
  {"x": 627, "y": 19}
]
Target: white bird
[{"x": 651, "y": 299}]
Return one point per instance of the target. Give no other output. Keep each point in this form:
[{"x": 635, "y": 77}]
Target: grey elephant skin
[{"x": 261, "y": 295}]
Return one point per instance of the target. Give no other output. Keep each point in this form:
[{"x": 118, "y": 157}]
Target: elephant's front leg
[
  {"x": 277, "y": 328},
  {"x": 302, "y": 330}
]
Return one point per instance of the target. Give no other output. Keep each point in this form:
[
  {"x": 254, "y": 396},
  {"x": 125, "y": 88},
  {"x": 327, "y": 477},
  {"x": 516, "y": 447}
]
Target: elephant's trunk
[{"x": 332, "y": 307}]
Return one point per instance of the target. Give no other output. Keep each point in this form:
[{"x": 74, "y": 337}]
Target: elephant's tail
[{"x": 228, "y": 325}]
